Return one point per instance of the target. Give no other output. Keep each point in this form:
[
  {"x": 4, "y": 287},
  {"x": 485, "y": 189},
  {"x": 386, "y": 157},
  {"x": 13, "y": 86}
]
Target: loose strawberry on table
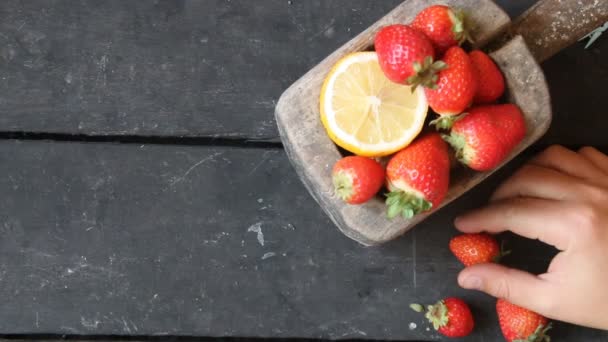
[
  {"x": 357, "y": 179},
  {"x": 418, "y": 177},
  {"x": 521, "y": 325},
  {"x": 406, "y": 55},
  {"x": 472, "y": 249},
  {"x": 486, "y": 135},
  {"x": 456, "y": 86},
  {"x": 490, "y": 81},
  {"x": 451, "y": 316},
  {"x": 444, "y": 26}
]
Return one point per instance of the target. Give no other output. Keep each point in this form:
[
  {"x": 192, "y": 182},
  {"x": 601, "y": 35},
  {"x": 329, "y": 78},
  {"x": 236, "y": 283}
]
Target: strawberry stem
[
  {"x": 460, "y": 26},
  {"x": 502, "y": 253},
  {"x": 405, "y": 204},
  {"x": 437, "y": 314},
  {"x": 458, "y": 143},
  {"x": 343, "y": 185},
  {"x": 540, "y": 335},
  {"x": 426, "y": 73},
  {"x": 444, "y": 122}
]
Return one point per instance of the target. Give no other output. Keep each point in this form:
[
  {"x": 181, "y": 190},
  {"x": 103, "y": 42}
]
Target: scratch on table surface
[
  {"x": 194, "y": 166},
  {"x": 132, "y": 72},
  {"x": 125, "y": 325},
  {"x": 70, "y": 329},
  {"x": 89, "y": 324},
  {"x": 264, "y": 159},
  {"x": 268, "y": 255},
  {"x": 37, "y": 320},
  {"x": 257, "y": 228},
  {"x": 102, "y": 75},
  {"x": 37, "y": 252},
  {"x": 327, "y": 30},
  {"x": 351, "y": 331},
  {"x": 218, "y": 237},
  {"x": 90, "y": 270}
]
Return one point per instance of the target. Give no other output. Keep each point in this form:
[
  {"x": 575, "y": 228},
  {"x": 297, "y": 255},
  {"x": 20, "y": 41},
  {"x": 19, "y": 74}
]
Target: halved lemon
[{"x": 366, "y": 113}]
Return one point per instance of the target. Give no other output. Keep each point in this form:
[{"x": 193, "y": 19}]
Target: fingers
[
  {"x": 569, "y": 162},
  {"x": 599, "y": 159},
  {"x": 540, "y": 182},
  {"x": 518, "y": 287},
  {"x": 529, "y": 217}
]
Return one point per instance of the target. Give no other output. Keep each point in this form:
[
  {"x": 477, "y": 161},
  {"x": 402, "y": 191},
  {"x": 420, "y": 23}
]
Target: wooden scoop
[{"x": 518, "y": 47}]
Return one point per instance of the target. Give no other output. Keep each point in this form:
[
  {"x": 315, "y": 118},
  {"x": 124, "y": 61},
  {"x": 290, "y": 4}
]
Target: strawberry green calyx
[
  {"x": 458, "y": 143},
  {"x": 405, "y": 204},
  {"x": 343, "y": 183},
  {"x": 445, "y": 122},
  {"x": 437, "y": 314},
  {"x": 426, "y": 73},
  {"x": 460, "y": 26},
  {"x": 540, "y": 335}
]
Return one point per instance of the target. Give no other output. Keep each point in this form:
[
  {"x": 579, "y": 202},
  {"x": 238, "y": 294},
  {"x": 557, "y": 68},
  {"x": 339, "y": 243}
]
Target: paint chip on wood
[{"x": 257, "y": 228}]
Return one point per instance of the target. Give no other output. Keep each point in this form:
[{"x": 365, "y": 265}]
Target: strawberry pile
[{"x": 462, "y": 89}]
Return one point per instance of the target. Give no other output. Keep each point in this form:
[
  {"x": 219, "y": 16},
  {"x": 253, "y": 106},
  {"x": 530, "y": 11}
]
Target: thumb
[{"x": 518, "y": 287}]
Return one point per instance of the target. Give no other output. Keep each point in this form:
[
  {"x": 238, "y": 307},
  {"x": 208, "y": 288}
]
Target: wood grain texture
[
  {"x": 313, "y": 154},
  {"x": 552, "y": 25},
  {"x": 191, "y": 68},
  {"x": 210, "y": 68},
  {"x": 35, "y": 97},
  {"x": 114, "y": 239}
]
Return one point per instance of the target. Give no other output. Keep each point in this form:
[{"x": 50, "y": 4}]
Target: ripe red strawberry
[
  {"x": 357, "y": 179},
  {"x": 456, "y": 85},
  {"x": 418, "y": 177},
  {"x": 444, "y": 26},
  {"x": 406, "y": 55},
  {"x": 519, "y": 324},
  {"x": 451, "y": 317},
  {"x": 485, "y": 136},
  {"x": 490, "y": 82},
  {"x": 473, "y": 249}
]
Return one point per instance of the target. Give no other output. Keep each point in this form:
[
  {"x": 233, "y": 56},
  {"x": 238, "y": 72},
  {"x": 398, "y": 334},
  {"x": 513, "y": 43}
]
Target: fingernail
[{"x": 471, "y": 283}]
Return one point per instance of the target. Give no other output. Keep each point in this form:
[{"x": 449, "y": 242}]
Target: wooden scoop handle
[{"x": 552, "y": 25}]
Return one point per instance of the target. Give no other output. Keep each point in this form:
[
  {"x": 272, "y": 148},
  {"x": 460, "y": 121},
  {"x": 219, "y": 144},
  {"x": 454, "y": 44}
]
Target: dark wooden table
[{"x": 145, "y": 190}]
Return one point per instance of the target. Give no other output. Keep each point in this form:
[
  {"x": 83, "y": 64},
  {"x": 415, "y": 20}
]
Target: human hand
[{"x": 560, "y": 198}]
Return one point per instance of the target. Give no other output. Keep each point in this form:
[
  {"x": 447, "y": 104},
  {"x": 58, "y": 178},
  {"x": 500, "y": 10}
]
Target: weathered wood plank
[
  {"x": 150, "y": 50},
  {"x": 187, "y": 67},
  {"x": 112, "y": 239}
]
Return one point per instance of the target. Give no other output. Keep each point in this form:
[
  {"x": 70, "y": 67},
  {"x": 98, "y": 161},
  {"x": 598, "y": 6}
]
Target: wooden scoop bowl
[{"x": 517, "y": 48}]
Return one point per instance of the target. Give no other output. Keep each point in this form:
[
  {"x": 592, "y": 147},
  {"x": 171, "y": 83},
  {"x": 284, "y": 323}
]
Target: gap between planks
[
  {"x": 212, "y": 141},
  {"x": 216, "y": 141}
]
